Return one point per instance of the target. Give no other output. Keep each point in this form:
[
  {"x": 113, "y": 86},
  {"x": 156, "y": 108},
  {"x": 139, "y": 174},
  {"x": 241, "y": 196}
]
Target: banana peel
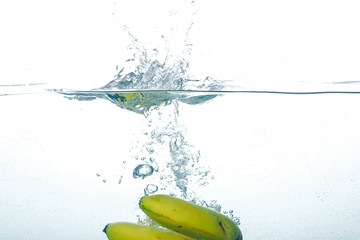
[
  {"x": 132, "y": 231},
  {"x": 183, "y": 221}
]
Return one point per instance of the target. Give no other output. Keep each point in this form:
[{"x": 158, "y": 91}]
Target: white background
[
  {"x": 287, "y": 165},
  {"x": 79, "y": 43}
]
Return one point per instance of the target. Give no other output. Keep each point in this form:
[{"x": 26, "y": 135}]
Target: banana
[
  {"x": 189, "y": 219},
  {"x": 138, "y": 102},
  {"x": 131, "y": 231}
]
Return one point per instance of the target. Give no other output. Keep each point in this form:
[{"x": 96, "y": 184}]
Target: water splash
[
  {"x": 150, "y": 75},
  {"x": 177, "y": 161},
  {"x": 152, "y": 81}
]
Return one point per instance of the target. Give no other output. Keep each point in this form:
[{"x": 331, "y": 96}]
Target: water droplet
[
  {"x": 104, "y": 180},
  {"x": 155, "y": 51},
  {"x": 120, "y": 179},
  {"x": 143, "y": 170},
  {"x": 150, "y": 189},
  {"x": 98, "y": 174},
  {"x": 237, "y": 220},
  {"x": 150, "y": 150}
]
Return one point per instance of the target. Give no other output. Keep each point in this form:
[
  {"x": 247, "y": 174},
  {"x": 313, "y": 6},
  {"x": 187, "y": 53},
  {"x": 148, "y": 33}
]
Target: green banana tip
[
  {"x": 106, "y": 228},
  {"x": 240, "y": 236},
  {"x": 140, "y": 205}
]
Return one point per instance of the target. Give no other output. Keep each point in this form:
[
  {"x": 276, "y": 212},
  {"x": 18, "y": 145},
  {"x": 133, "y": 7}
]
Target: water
[
  {"x": 155, "y": 89},
  {"x": 281, "y": 160},
  {"x": 277, "y": 161}
]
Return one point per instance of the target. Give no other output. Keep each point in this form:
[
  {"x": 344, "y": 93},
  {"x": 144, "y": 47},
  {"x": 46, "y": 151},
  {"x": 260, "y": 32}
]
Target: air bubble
[
  {"x": 153, "y": 134},
  {"x": 98, "y": 174},
  {"x": 120, "y": 179},
  {"x": 104, "y": 180},
  {"x": 155, "y": 51},
  {"x": 150, "y": 150},
  {"x": 150, "y": 189},
  {"x": 142, "y": 171}
]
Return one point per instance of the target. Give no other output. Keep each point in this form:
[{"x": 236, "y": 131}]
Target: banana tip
[
  {"x": 140, "y": 205},
  {"x": 240, "y": 236},
  {"x": 105, "y": 228}
]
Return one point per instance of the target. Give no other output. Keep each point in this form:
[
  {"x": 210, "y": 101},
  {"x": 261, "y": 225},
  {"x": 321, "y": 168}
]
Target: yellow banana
[
  {"x": 139, "y": 102},
  {"x": 131, "y": 231},
  {"x": 189, "y": 219}
]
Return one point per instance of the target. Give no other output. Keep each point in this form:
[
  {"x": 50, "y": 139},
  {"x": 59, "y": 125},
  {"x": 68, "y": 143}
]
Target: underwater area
[{"x": 249, "y": 110}]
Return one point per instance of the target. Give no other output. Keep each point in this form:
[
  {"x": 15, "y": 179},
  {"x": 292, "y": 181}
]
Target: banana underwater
[
  {"x": 183, "y": 221},
  {"x": 132, "y": 231}
]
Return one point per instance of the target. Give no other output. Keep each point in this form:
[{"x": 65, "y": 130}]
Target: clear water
[
  {"x": 281, "y": 161},
  {"x": 285, "y": 164}
]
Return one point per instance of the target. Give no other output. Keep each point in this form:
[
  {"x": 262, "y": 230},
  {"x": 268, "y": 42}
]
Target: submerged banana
[
  {"x": 189, "y": 219},
  {"x": 131, "y": 231}
]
